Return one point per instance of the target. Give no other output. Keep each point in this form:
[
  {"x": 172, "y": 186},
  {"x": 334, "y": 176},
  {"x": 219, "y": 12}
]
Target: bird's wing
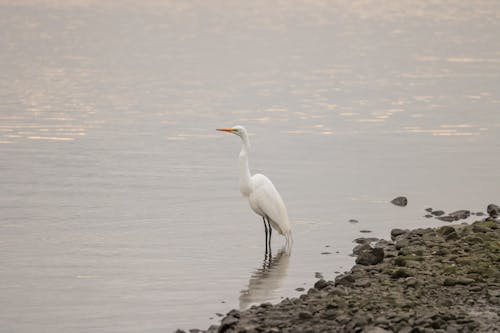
[{"x": 266, "y": 198}]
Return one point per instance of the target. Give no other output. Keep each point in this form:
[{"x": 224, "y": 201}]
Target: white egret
[{"x": 263, "y": 197}]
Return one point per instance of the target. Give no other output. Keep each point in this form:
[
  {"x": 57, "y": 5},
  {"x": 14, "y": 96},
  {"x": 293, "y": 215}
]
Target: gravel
[{"x": 425, "y": 280}]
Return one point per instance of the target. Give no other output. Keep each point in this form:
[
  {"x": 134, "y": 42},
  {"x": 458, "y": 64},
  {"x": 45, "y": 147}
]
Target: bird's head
[{"x": 239, "y": 131}]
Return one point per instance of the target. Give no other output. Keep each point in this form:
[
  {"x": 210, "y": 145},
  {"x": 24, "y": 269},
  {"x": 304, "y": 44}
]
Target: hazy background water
[{"x": 120, "y": 209}]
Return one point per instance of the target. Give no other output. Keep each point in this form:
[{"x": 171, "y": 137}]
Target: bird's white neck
[{"x": 244, "y": 171}]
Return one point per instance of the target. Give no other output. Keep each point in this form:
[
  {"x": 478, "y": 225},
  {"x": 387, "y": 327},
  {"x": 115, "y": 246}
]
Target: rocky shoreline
[{"x": 424, "y": 280}]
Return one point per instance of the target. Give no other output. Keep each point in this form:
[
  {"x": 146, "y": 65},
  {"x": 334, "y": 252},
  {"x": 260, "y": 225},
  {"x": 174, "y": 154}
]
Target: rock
[
  {"x": 437, "y": 213},
  {"x": 451, "y": 281},
  {"x": 365, "y": 231},
  {"x": 305, "y": 315},
  {"x": 363, "y": 240},
  {"x": 397, "y": 232},
  {"x": 479, "y": 228},
  {"x": 362, "y": 283},
  {"x": 443, "y": 231},
  {"x": 411, "y": 282},
  {"x": 402, "y": 243},
  {"x": 447, "y": 218},
  {"x": 428, "y": 285},
  {"x": 353, "y": 221},
  {"x": 375, "y": 330},
  {"x": 213, "y": 329},
  {"x": 325, "y": 253},
  {"x": 428, "y": 210},
  {"x": 227, "y": 323},
  {"x": 344, "y": 280},
  {"x": 400, "y": 273},
  {"x": 179, "y": 331},
  {"x": 460, "y": 214},
  {"x": 299, "y": 289},
  {"x": 480, "y": 214},
  {"x": 360, "y": 248},
  {"x": 428, "y": 216},
  {"x": 318, "y": 275},
  {"x": 493, "y": 210},
  {"x": 371, "y": 256},
  {"x": 400, "y": 201},
  {"x": 320, "y": 284}
]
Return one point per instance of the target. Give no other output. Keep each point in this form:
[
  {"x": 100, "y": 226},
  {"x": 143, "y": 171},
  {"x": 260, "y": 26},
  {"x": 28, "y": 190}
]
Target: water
[{"x": 120, "y": 204}]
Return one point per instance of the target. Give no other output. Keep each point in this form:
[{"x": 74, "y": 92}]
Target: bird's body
[
  {"x": 267, "y": 202},
  {"x": 263, "y": 197}
]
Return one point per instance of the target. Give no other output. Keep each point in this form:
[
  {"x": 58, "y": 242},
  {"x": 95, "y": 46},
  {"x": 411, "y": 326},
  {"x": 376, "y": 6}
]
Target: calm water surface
[{"x": 120, "y": 208}]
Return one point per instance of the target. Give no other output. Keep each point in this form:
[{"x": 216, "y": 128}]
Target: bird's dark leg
[
  {"x": 265, "y": 227},
  {"x": 270, "y": 233}
]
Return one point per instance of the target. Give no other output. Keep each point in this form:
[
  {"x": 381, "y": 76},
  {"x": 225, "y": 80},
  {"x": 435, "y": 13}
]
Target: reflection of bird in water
[
  {"x": 265, "y": 281},
  {"x": 263, "y": 197}
]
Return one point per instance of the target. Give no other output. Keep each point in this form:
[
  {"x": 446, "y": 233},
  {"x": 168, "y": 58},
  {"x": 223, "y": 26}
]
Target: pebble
[
  {"x": 460, "y": 214},
  {"x": 400, "y": 201},
  {"x": 435, "y": 282},
  {"x": 493, "y": 210},
  {"x": 397, "y": 232},
  {"x": 437, "y": 213},
  {"x": 370, "y": 256}
]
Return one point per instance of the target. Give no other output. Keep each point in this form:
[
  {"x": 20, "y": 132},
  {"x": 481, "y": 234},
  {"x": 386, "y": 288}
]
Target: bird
[{"x": 262, "y": 195}]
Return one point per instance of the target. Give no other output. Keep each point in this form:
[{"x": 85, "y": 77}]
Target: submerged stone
[{"x": 400, "y": 201}]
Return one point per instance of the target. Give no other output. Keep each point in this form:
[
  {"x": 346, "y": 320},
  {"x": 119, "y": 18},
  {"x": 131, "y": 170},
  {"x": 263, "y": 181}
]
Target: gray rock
[
  {"x": 213, "y": 329},
  {"x": 428, "y": 209},
  {"x": 371, "y": 256},
  {"x": 445, "y": 230},
  {"x": 320, "y": 284},
  {"x": 411, "y": 282},
  {"x": 428, "y": 216},
  {"x": 362, "y": 283},
  {"x": 460, "y": 214},
  {"x": 227, "y": 323},
  {"x": 400, "y": 201},
  {"x": 304, "y": 315},
  {"x": 360, "y": 248},
  {"x": 353, "y": 221},
  {"x": 344, "y": 280},
  {"x": 479, "y": 228},
  {"x": 437, "y": 213},
  {"x": 451, "y": 281},
  {"x": 451, "y": 236},
  {"x": 400, "y": 273},
  {"x": 493, "y": 210},
  {"x": 397, "y": 232},
  {"x": 447, "y": 218},
  {"x": 375, "y": 330}
]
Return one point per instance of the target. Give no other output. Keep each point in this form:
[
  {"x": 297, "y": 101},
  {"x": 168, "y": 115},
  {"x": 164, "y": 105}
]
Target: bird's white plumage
[{"x": 266, "y": 201}]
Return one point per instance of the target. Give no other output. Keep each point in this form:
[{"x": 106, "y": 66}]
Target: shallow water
[{"x": 120, "y": 203}]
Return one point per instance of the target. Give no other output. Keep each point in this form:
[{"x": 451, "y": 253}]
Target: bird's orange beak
[{"x": 230, "y": 130}]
